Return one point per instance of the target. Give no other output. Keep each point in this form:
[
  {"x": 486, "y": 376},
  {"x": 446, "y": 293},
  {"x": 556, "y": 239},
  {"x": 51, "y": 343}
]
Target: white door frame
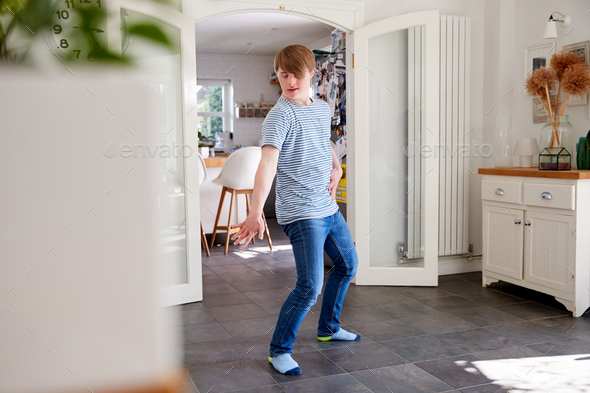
[
  {"x": 366, "y": 275},
  {"x": 346, "y": 15}
]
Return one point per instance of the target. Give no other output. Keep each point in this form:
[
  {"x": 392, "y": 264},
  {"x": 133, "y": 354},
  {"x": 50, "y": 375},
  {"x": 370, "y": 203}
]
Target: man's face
[{"x": 295, "y": 89}]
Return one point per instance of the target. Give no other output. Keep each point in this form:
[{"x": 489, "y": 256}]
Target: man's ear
[{"x": 313, "y": 72}]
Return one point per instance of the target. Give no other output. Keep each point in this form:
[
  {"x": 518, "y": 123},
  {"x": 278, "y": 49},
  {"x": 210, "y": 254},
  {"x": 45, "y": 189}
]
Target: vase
[
  {"x": 503, "y": 149},
  {"x": 204, "y": 151},
  {"x": 558, "y": 132}
]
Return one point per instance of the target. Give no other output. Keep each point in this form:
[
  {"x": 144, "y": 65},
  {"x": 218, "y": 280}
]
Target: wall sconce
[{"x": 551, "y": 30}]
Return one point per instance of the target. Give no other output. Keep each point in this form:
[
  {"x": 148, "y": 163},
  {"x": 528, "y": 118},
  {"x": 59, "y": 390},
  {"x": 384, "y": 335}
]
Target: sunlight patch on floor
[
  {"x": 252, "y": 252},
  {"x": 555, "y": 374}
]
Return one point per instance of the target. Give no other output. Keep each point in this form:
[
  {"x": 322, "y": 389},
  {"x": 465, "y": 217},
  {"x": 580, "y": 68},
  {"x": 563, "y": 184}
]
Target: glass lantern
[{"x": 555, "y": 159}]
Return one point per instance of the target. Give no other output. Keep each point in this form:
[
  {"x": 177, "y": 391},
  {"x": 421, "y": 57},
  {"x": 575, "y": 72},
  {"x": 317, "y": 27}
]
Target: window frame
[{"x": 227, "y": 98}]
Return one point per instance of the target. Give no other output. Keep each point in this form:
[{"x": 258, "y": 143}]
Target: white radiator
[{"x": 453, "y": 222}]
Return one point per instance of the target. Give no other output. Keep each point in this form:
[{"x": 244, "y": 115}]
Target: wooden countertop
[
  {"x": 575, "y": 174},
  {"x": 217, "y": 161}
]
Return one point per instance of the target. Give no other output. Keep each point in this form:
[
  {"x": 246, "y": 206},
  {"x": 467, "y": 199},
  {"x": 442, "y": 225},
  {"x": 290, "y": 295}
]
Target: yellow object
[{"x": 341, "y": 189}]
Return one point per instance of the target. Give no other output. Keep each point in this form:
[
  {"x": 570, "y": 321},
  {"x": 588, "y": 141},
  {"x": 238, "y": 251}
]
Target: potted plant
[
  {"x": 572, "y": 77},
  {"x": 205, "y": 143}
]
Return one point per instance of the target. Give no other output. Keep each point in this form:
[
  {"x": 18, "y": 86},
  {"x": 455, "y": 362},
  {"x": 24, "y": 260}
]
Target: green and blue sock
[
  {"x": 341, "y": 335},
  {"x": 285, "y": 364}
]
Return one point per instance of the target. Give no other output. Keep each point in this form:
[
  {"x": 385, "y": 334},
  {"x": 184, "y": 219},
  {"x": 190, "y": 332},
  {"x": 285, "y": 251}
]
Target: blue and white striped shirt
[{"x": 302, "y": 134}]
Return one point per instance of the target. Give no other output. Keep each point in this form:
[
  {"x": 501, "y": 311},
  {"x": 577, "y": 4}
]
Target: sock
[
  {"x": 341, "y": 335},
  {"x": 285, "y": 364}
]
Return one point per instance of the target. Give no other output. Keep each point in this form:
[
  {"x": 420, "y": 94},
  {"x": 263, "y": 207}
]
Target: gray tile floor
[{"x": 457, "y": 337}]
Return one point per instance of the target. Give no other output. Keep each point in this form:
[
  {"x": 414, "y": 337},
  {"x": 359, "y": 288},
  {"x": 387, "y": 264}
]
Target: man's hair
[{"x": 295, "y": 59}]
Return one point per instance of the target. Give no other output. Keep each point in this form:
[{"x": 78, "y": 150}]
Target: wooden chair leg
[
  {"x": 204, "y": 240},
  {"x": 267, "y": 233},
  {"x": 248, "y": 212},
  {"x": 231, "y": 206},
  {"x": 221, "y": 199}
]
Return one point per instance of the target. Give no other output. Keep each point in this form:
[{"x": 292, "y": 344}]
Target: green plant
[{"x": 22, "y": 20}]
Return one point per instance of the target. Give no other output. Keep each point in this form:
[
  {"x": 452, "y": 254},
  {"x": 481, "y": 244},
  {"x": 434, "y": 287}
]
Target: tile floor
[{"x": 457, "y": 337}]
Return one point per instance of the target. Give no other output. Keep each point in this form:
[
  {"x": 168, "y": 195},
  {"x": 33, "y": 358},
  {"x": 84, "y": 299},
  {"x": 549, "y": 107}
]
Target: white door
[
  {"x": 171, "y": 76},
  {"x": 503, "y": 240},
  {"x": 549, "y": 250},
  {"x": 396, "y": 102}
]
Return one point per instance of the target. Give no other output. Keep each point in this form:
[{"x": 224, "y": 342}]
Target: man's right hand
[{"x": 252, "y": 225}]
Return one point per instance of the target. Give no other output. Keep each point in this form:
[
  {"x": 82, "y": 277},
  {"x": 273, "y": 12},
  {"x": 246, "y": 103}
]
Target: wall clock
[{"x": 65, "y": 36}]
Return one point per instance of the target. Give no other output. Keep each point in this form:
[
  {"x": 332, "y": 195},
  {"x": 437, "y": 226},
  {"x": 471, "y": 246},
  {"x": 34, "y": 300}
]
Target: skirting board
[{"x": 458, "y": 265}]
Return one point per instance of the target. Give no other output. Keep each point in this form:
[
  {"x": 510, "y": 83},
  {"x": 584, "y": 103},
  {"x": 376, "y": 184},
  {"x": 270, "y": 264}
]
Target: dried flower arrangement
[{"x": 573, "y": 77}]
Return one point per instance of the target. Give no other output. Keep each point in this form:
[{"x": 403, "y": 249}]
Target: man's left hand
[{"x": 334, "y": 180}]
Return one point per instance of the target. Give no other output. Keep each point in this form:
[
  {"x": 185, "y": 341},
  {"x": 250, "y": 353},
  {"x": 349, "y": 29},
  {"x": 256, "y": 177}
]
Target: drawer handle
[
  {"x": 527, "y": 223},
  {"x": 499, "y": 191},
  {"x": 517, "y": 221},
  {"x": 546, "y": 195}
]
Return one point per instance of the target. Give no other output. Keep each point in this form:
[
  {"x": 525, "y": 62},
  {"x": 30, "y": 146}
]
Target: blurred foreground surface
[{"x": 79, "y": 271}]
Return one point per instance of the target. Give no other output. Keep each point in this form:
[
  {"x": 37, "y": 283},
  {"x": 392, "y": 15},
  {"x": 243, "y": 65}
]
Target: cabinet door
[
  {"x": 549, "y": 250},
  {"x": 503, "y": 240}
]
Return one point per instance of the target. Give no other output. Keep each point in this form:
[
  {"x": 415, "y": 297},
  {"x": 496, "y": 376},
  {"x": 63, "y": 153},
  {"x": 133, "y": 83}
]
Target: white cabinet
[
  {"x": 502, "y": 228},
  {"x": 549, "y": 250},
  {"x": 535, "y": 235}
]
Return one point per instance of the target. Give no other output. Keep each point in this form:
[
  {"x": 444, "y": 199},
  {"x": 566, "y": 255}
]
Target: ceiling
[{"x": 259, "y": 33}]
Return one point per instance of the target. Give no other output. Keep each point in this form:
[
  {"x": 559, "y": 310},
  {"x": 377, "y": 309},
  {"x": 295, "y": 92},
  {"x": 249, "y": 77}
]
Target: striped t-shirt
[{"x": 302, "y": 134}]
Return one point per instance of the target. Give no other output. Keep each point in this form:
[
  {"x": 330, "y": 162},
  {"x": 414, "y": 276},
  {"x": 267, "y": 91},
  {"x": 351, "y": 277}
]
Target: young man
[{"x": 296, "y": 146}]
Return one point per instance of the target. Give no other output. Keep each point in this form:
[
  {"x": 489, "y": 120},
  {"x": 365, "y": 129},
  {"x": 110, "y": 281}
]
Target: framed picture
[
  {"x": 581, "y": 49},
  {"x": 537, "y": 56},
  {"x": 539, "y": 113}
]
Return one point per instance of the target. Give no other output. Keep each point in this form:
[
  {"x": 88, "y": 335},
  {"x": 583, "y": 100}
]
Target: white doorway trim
[{"x": 346, "y": 15}]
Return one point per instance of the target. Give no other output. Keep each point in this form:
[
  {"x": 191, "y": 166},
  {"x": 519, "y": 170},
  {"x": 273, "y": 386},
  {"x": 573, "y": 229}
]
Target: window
[{"x": 214, "y": 106}]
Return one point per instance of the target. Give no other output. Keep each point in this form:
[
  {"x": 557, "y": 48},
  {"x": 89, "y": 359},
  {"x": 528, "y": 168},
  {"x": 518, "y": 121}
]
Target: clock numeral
[
  {"x": 68, "y": 2},
  {"x": 62, "y": 14},
  {"x": 98, "y": 2},
  {"x": 77, "y": 54},
  {"x": 90, "y": 57},
  {"x": 63, "y": 43},
  {"x": 56, "y": 29}
]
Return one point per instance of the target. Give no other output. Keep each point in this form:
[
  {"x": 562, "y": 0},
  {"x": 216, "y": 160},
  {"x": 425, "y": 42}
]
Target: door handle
[
  {"x": 527, "y": 223},
  {"x": 517, "y": 221},
  {"x": 546, "y": 195},
  {"x": 499, "y": 191}
]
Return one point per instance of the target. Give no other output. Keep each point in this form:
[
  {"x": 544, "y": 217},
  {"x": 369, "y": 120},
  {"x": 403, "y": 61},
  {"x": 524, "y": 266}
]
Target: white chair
[
  {"x": 237, "y": 177},
  {"x": 202, "y": 177}
]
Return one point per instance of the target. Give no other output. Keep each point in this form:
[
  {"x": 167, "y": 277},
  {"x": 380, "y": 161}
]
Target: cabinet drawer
[
  {"x": 550, "y": 195},
  {"x": 501, "y": 191}
]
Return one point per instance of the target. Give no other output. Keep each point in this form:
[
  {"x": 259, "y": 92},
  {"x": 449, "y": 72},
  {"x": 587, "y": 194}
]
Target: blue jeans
[{"x": 309, "y": 238}]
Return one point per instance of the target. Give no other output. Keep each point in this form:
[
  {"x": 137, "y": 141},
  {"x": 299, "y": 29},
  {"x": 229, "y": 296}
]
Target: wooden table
[
  {"x": 216, "y": 162},
  {"x": 574, "y": 174}
]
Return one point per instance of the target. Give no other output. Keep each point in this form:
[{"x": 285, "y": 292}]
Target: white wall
[
  {"x": 530, "y": 20},
  {"x": 250, "y": 78}
]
